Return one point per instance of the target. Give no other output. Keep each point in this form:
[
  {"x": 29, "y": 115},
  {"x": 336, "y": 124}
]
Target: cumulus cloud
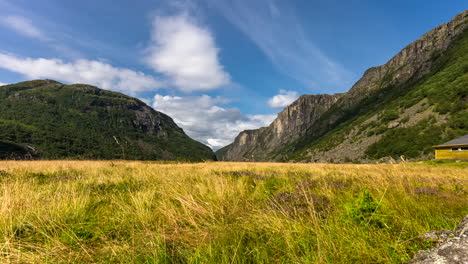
[
  {"x": 206, "y": 120},
  {"x": 1, "y": 84},
  {"x": 186, "y": 53},
  {"x": 23, "y": 26},
  {"x": 283, "y": 99},
  {"x": 81, "y": 71}
]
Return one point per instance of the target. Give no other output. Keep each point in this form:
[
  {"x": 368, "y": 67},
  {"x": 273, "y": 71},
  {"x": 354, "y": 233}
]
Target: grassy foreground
[{"x": 140, "y": 212}]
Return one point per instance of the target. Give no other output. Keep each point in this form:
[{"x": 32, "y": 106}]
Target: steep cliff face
[
  {"x": 413, "y": 62},
  {"x": 424, "y": 70},
  {"x": 376, "y": 90},
  {"x": 291, "y": 124}
]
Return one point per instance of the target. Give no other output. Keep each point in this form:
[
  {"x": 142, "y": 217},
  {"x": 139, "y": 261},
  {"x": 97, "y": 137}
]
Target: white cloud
[
  {"x": 283, "y": 99},
  {"x": 81, "y": 71},
  {"x": 23, "y": 26},
  {"x": 1, "y": 84},
  {"x": 203, "y": 119},
  {"x": 186, "y": 52},
  {"x": 276, "y": 30}
]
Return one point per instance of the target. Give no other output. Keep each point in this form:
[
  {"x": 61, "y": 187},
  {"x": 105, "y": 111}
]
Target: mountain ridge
[
  {"x": 378, "y": 86},
  {"x": 86, "y": 122}
]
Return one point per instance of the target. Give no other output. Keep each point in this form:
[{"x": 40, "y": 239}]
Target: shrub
[
  {"x": 404, "y": 119},
  {"x": 389, "y": 115},
  {"x": 459, "y": 121},
  {"x": 443, "y": 108},
  {"x": 380, "y": 129},
  {"x": 364, "y": 210}
]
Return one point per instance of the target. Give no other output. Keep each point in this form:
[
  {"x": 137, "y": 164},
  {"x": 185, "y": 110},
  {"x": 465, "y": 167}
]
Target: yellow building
[{"x": 454, "y": 149}]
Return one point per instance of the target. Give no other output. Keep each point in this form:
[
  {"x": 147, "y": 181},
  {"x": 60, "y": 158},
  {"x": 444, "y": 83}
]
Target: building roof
[{"x": 463, "y": 140}]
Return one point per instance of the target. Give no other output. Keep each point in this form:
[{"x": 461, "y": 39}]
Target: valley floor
[{"x": 148, "y": 212}]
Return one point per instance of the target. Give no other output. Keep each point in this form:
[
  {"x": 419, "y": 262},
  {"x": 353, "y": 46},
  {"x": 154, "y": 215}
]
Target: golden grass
[{"x": 216, "y": 212}]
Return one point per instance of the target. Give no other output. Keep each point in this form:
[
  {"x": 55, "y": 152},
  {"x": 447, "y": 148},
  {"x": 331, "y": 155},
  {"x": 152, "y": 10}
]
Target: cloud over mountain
[
  {"x": 91, "y": 72},
  {"x": 203, "y": 119},
  {"x": 283, "y": 99}
]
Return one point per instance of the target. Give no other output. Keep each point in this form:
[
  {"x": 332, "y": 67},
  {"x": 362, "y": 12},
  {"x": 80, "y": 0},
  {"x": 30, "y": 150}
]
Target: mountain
[
  {"x": 419, "y": 98},
  {"x": 50, "y": 120},
  {"x": 291, "y": 124}
]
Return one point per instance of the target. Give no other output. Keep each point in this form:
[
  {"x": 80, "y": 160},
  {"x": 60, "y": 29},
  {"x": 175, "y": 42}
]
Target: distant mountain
[
  {"x": 50, "y": 120},
  {"x": 417, "y": 99}
]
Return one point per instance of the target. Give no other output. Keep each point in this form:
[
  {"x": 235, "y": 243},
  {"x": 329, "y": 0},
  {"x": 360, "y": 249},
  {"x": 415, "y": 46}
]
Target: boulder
[{"x": 452, "y": 250}]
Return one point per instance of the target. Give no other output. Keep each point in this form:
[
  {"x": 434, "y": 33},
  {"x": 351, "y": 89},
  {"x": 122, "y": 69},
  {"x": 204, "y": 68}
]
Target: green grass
[
  {"x": 144, "y": 212},
  {"x": 448, "y": 163}
]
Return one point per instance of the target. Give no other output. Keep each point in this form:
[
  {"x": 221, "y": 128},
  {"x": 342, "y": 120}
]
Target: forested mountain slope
[{"x": 51, "y": 120}]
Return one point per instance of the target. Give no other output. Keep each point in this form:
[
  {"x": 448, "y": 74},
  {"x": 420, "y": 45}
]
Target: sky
[{"x": 217, "y": 67}]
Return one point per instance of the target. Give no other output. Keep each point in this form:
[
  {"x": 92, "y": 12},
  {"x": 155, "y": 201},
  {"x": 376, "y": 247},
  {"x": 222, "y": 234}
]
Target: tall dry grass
[{"x": 143, "y": 212}]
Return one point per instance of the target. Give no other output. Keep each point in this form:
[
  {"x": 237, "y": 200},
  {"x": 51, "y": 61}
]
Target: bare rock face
[
  {"x": 312, "y": 116},
  {"x": 413, "y": 61},
  {"x": 293, "y": 121},
  {"x": 153, "y": 122},
  {"x": 453, "y": 250},
  {"x": 291, "y": 124}
]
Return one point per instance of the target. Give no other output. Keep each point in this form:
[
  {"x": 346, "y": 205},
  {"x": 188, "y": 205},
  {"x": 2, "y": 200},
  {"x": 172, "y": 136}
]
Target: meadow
[{"x": 149, "y": 212}]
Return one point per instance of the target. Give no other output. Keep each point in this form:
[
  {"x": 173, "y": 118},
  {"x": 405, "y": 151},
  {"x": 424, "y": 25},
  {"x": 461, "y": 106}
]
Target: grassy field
[{"x": 143, "y": 212}]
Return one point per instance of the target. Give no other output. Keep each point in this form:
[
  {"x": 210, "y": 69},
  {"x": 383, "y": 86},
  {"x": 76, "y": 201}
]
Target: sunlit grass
[{"x": 143, "y": 212}]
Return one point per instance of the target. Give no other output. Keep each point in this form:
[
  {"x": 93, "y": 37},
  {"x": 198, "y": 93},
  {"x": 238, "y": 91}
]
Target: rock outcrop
[
  {"x": 453, "y": 248},
  {"x": 412, "y": 62},
  {"x": 314, "y": 116},
  {"x": 292, "y": 123}
]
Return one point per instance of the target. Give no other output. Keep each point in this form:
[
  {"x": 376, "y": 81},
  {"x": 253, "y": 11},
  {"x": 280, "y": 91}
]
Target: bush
[
  {"x": 364, "y": 210},
  {"x": 443, "y": 108},
  {"x": 404, "y": 119},
  {"x": 389, "y": 115},
  {"x": 459, "y": 121},
  {"x": 380, "y": 129}
]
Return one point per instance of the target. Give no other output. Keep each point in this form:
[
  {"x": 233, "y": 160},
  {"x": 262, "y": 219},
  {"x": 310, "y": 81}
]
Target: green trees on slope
[{"x": 80, "y": 121}]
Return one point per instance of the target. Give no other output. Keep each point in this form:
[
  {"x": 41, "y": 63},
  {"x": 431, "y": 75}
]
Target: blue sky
[{"x": 216, "y": 66}]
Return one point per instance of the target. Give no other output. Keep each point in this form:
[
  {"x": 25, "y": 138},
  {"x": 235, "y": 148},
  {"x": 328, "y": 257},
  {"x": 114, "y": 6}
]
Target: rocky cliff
[
  {"x": 291, "y": 124},
  {"x": 413, "y": 62},
  {"x": 322, "y": 125}
]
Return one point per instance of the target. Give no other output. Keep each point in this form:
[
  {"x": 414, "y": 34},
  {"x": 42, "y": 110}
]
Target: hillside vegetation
[
  {"x": 147, "y": 212},
  {"x": 441, "y": 103},
  {"x": 416, "y": 100},
  {"x": 85, "y": 122}
]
